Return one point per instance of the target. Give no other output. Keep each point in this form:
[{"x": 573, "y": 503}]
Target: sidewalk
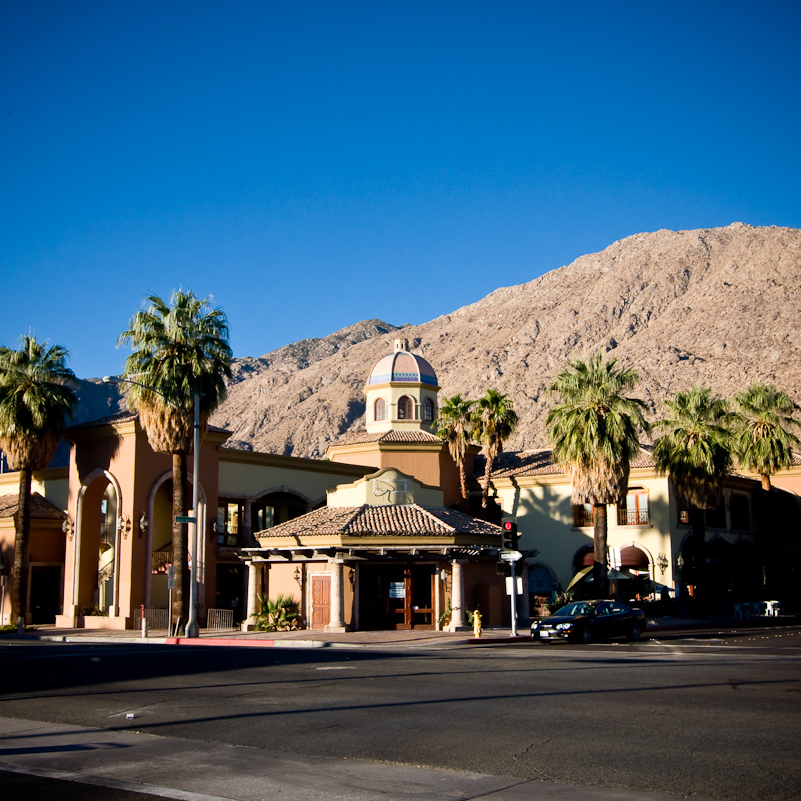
[
  {"x": 192, "y": 771},
  {"x": 667, "y": 626}
]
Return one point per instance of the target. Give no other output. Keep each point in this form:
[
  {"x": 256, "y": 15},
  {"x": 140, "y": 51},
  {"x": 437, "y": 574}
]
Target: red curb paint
[{"x": 198, "y": 641}]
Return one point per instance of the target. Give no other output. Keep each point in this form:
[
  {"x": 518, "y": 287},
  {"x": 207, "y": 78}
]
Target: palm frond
[
  {"x": 594, "y": 427},
  {"x": 36, "y": 400},
  {"x": 178, "y": 348},
  {"x": 763, "y": 442},
  {"x": 696, "y": 446}
]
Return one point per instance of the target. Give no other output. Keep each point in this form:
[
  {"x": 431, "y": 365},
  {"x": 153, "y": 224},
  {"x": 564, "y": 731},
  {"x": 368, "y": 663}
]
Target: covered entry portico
[
  {"x": 368, "y": 588},
  {"x": 376, "y": 559}
]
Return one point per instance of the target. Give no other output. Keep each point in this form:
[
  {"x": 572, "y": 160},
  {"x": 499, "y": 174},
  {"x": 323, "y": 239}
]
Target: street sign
[
  {"x": 510, "y": 556},
  {"x": 184, "y": 519}
]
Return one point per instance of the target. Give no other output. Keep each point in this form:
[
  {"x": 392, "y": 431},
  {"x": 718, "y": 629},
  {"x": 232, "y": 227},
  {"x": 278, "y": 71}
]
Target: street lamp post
[{"x": 192, "y": 627}]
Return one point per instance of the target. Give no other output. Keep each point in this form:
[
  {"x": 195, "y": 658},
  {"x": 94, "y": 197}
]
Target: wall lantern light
[
  {"x": 662, "y": 563},
  {"x": 68, "y": 527},
  {"x": 142, "y": 524},
  {"x": 124, "y": 525},
  {"x": 298, "y": 575}
]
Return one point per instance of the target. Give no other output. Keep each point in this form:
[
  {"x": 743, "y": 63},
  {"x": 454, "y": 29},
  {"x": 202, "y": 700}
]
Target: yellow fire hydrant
[{"x": 476, "y": 623}]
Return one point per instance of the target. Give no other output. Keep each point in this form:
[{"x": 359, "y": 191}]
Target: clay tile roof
[
  {"x": 402, "y": 520},
  {"x": 41, "y": 508},
  {"x": 390, "y": 436},
  {"x": 540, "y": 463}
]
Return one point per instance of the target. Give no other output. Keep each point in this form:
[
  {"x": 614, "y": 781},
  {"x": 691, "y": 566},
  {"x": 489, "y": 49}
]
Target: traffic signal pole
[{"x": 511, "y": 554}]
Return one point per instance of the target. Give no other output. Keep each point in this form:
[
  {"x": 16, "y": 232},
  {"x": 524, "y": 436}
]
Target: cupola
[{"x": 401, "y": 392}]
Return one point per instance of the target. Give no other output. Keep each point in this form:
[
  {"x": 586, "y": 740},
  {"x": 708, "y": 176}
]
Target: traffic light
[
  {"x": 503, "y": 569},
  {"x": 510, "y": 535}
]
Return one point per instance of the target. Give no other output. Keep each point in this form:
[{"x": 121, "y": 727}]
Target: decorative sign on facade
[
  {"x": 392, "y": 491},
  {"x": 397, "y": 589}
]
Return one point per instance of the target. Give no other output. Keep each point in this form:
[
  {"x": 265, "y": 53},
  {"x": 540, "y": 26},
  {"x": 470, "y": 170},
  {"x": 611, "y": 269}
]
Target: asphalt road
[{"x": 717, "y": 717}]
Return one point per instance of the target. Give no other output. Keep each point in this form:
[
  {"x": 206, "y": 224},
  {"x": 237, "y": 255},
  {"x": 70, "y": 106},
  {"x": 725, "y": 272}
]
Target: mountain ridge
[{"x": 717, "y": 306}]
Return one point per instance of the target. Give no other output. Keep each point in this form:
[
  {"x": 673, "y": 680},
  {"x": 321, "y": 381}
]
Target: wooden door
[{"x": 321, "y": 601}]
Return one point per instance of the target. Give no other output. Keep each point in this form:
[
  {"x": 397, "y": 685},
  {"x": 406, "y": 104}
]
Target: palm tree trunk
[
  {"x": 180, "y": 542},
  {"x": 22, "y": 526},
  {"x": 486, "y": 482},
  {"x": 600, "y": 571},
  {"x": 463, "y": 483},
  {"x": 766, "y": 483}
]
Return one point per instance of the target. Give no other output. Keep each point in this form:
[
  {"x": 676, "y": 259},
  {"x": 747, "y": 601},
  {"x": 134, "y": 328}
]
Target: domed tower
[{"x": 401, "y": 393}]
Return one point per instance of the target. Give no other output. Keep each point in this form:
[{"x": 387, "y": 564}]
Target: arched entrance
[
  {"x": 97, "y": 554},
  {"x": 160, "y": 547}
]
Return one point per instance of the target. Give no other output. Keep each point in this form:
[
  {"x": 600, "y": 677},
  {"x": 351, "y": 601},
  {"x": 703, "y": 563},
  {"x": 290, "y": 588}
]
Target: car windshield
[{"x": 571, "y": 610}]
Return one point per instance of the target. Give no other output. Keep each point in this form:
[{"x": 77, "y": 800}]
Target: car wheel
[
  {"x": 585, "y": 636},
  {"x": 634, "y": 634}
]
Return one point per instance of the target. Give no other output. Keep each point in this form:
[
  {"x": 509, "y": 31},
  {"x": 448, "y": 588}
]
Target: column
[
  {"x": 337, "y": 622},
  {"x": 253, "y": 596},
  {"x": 457, "y": 596}
]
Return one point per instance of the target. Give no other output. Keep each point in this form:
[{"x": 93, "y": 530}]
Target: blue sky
[{"x": 313, "y": 164}]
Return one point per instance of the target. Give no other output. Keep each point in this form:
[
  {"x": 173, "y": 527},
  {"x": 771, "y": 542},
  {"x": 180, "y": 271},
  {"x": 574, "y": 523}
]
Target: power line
[{"x": 106, "y": 60}]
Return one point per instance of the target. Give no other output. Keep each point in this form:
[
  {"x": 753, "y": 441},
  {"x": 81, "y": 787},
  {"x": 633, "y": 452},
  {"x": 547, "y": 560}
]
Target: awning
[
  {"x": 579, "y": 576},
  {"x": 586, "y": 572}
]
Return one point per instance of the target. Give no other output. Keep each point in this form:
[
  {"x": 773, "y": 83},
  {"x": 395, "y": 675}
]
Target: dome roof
[{"x": 402, "y": 367}]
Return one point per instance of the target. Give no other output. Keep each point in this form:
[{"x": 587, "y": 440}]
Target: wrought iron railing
[
  {"x": 633, "y": 517},
  {"x": 160, "y": 561},
  {"x": 233, "y": 536},
  {"x": 581, "y": 517},
  {"x": 105, "y": 573}
]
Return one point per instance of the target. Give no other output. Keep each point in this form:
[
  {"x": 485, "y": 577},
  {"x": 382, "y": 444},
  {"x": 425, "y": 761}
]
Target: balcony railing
[
  {"x": 160, "y": 561},
  {"x": 582, "y": 517},
  {"x": 633, "y": 517},
  {"x": 233, "y": 536}
]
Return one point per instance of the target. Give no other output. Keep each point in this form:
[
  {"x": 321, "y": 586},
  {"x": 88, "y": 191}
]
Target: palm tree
[
  {"x": 763, "y": 443},
  {"x": 454, "y": 425},
  {"x": 695, "y": 450},
  {"x": 36, "y": 398},
  {"x": 593, "y": 430},
  {"x": 494, "y": 421},
  {"x": 179, "y": 349}
]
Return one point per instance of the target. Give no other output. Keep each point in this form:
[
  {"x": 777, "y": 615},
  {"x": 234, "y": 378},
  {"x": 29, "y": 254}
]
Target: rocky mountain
[{"x": 718, "y": 306}]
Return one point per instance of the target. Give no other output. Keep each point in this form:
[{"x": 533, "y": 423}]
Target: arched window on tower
[
  {"x": 380, "y": 409},
  {"x": 405, "y": 408},
  {"x": 428, "y": 410}
]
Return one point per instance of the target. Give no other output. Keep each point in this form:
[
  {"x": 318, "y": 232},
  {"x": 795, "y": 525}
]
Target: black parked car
[{"x": 585, "y": 621}]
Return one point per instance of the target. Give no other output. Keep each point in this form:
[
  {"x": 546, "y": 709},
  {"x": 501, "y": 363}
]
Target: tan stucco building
[{"x": 368, "y": 537}]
